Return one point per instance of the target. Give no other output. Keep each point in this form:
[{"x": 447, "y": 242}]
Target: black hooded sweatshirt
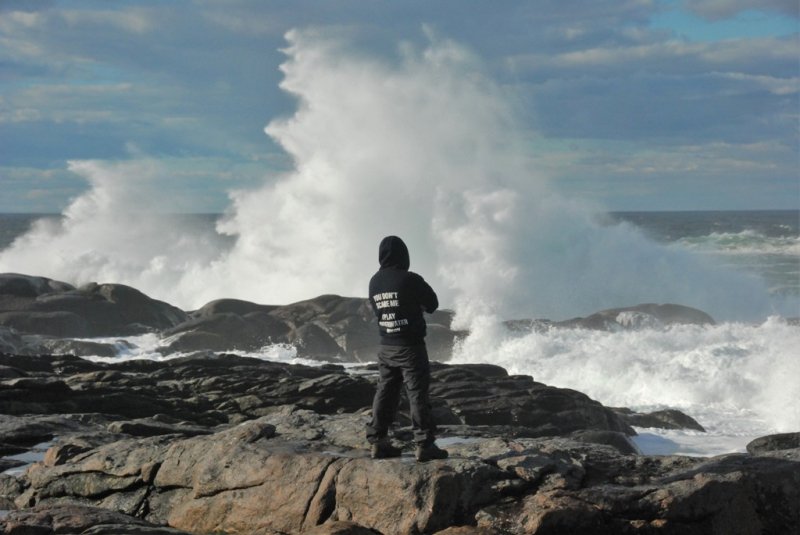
[{"x": 399, "y": 296}]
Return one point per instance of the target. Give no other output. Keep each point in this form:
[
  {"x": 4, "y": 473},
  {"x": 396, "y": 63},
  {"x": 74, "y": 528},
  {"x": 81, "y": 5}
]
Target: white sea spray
[
  {"x": 734, "y": 378},
  {"x": 426, "y": 146}
]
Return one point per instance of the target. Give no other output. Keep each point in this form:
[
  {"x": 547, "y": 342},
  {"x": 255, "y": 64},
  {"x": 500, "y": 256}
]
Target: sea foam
[
  {"x": 425, "y": 146},
  {"x": 734, "y": 378}
]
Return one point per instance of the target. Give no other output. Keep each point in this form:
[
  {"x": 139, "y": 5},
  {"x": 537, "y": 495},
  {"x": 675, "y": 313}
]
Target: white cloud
[
  {"x": 777, "y": 86},
  {"x": 66, "y": 103},
  {"x": 737, "y": 55},
  {"x": 133, "y": 20},
  {"x": 722, "y": 9}
]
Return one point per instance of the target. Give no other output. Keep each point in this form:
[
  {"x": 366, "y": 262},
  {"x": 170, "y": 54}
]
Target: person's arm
[{"x": 427, "y": 297}]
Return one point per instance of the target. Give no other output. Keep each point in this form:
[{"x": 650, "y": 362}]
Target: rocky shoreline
[
  {"x": 239, "y": 445},
  {"x": 43, "y": 316},
  {"x": 213, "y": 442}
]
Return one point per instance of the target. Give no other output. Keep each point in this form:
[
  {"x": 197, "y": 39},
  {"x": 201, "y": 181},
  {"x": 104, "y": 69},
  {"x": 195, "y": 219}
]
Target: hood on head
[{"x": 393, "y": 253}]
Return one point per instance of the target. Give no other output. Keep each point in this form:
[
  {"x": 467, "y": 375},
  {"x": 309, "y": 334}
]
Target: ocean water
[
  {"x": 763, "y": 242},
  {"x": 740, "y": 380}
]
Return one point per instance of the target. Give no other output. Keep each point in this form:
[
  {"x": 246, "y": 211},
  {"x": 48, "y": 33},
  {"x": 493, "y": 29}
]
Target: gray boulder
[
  {"x": 225, "y": 331},
  {"x": 36, "y": 305},
  {"x": 663, "y": 419},
  {"x": 347, "y": 322},
  {"x": 83, "y": 519},
  {"x": 639, "y": 316},
  {"x": 54, "y": 323},
  {"x": 485, "y": 395},
  {"x": 328, "y": 327},
  {"x": 26, "y": 286},
  {"x": 230, "y": 306},
  {"x": 774, "y": 443}
]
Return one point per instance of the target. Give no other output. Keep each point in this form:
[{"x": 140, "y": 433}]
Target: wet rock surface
[
  {"x": 190, "y": 395},
  {"x": 221, "y": 443}
]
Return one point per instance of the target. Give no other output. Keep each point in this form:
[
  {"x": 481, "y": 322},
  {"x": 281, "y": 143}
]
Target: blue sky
[{"x": 632, "y": 104}]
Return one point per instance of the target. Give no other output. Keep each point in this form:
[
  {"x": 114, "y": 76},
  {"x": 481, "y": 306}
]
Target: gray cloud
[
  {"x": 723, "y": 9},
  {"x": 697, "y": 108},
  {"x": 37, "y": 189},
  {"x": 25, "y": 5}
]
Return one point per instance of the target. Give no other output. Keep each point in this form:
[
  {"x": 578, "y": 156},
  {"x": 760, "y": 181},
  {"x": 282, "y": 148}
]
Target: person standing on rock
[{"x": 399, "y": 297}]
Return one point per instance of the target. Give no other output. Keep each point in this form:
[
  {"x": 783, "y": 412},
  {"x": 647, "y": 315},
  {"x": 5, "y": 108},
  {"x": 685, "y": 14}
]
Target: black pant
[{"x": 400, "y": 365}]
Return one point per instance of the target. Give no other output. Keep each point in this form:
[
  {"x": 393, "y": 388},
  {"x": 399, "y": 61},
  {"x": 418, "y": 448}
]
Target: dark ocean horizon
[{"x": 761, "y": 242}]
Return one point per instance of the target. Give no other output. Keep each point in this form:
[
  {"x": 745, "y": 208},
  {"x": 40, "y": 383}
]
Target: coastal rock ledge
[
  {"x": 43, "y": 316},
  {"x": 226, "y": 444}
]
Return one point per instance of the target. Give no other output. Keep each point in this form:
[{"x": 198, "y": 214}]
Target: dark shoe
[
  {"x": 383, "y": 449},
  {"x": 430, "y": 452}
]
